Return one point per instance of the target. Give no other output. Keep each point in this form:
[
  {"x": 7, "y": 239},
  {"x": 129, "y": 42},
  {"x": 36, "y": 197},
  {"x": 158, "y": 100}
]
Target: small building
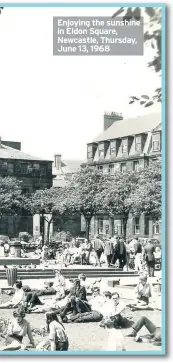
[
  {"x": 63, "y": 170},
  {"x": 34, "y": 173},
  {"x": 125, "y": 144}
]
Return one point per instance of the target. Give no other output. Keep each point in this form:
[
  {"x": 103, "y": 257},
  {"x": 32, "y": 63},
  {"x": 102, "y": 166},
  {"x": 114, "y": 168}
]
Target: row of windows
[
  {"x": 124, "y": 146},
  {"x": 136, "y": 227},
  {"x": 24, "y": 168},
  {"x": 112, "y": 168}
]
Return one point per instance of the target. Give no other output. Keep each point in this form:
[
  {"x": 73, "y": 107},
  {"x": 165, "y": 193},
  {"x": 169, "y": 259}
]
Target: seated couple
[
  {"x": 19, "y": 327},
  {"x": 109, "y": 305}
]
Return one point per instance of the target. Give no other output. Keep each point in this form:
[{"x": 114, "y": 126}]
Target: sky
[{"x": 56, "y": 104}]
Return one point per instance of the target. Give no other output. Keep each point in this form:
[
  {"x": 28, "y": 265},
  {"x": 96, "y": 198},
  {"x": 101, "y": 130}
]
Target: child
[
  {"x": 115, "y": 336},
  {"x": 143, "y": 291}
]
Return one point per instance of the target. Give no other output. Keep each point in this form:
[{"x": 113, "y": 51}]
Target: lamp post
[{"x": 42, "y": 215}]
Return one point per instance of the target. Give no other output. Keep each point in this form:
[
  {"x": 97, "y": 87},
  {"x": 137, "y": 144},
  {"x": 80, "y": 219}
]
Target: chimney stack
[
  {"x": 110, "y": 118},
  {"x": 57, "y": 161}
]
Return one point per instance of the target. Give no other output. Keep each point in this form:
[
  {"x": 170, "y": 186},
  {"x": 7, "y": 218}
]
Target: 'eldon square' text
[{"x": 91, "y": 31}]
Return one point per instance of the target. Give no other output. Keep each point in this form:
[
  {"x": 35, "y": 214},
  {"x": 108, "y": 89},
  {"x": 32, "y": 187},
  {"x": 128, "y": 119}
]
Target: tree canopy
[
  {"x": 152, "y": 39},
  {"x": 147, "y": 197},
  {"x": 85, "y": 193},
  {"x": 12, "y": 200}
]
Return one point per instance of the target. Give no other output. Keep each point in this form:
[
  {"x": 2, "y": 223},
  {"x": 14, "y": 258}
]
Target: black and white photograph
[{"x": 82, "y": 193}]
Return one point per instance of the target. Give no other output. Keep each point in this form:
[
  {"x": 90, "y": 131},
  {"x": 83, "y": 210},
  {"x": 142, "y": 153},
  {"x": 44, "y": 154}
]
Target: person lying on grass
[
  {"x": 17, "y": 299},
  {"x": 155, "y": 332}
]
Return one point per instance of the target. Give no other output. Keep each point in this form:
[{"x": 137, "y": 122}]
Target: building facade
[
  {"x": 34, "y": 173},
  {"x": 126, "y": 144}
]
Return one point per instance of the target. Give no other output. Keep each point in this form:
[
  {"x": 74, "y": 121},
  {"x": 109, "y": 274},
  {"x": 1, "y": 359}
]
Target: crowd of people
[
  {"x": 76, "y": 301},
  {"x": 114, "y": 251}
]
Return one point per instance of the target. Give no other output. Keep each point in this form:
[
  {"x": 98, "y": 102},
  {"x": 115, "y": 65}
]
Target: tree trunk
[
  {"x": 48, "y": 231},
  {"x": 125, "y": 219},
  {"x": 88, "y": 221}
]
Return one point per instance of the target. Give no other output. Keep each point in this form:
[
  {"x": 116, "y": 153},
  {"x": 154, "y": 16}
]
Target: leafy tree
[
  {"x": 84, "y": 195},
  {"x": 152, "y": 39},
  {"x": 12, "y": 200},
  {"x": 147, "y": 198},
  {"x": 48, "y": 201},
  {"x": 117, "y": 197}
]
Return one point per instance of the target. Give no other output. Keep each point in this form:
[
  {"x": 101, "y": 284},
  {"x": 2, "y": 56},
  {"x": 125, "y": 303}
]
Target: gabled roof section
[
  {"x": 131, "y": 126},
  {"x": 158, "y": 128},
  {"x": 7, "y": 152}
]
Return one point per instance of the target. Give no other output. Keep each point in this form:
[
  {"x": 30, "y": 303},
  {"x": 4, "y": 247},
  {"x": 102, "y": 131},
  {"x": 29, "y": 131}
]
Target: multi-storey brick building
[
  {"x": 126, "y": 145},
  {"x": 32, "y": 171}
]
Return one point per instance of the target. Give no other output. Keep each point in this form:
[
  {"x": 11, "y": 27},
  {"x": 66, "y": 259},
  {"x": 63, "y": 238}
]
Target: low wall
[{"x": 19, "y": 261}]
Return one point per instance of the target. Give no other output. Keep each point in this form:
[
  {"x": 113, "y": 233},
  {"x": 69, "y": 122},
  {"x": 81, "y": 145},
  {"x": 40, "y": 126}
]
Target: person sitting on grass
[
  {"x": 77, "y": 302},
  {"x": 107, "y": 309},
  {"x": 115, "y": 337},
  {"x": 17, "y": 299},
  {"x": 59, "y": 285},
  {"x": 97, "y": 300},
  {"x": 143, "y": 291},
  {"x": 18, "y": 328},
  {"x": 115, "y": 310},
  {"x": 155, "y": 332},
  {"x": 57, "y": 339}
]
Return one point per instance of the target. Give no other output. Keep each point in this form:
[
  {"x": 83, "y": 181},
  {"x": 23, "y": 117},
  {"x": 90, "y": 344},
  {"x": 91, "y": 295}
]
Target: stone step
[{"x": 41, "y": 276}]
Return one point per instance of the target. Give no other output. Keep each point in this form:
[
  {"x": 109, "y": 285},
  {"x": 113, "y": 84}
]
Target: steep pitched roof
[
  {"x": 131, "y": 126},
  {"x": 7, "y": 152},
  {"x": 71, "y": 166}
]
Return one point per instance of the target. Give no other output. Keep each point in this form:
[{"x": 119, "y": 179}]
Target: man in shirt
[
  {"x": 98, "y": 247},
  {"x": 108, "y": 250},
  {"x": 118, "y": 309},
  {"x": 107, "y": 309},
  {"x": 149, "y": 257},
  {"x": 138, "y": 256},
  {"x": 121, "y": 253},
  {"x": 97, "y": 300}
]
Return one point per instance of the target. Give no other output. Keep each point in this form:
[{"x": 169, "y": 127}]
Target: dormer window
[
  {"x": 90, "y": 152},
  {"x": 156, "y": 141},
  {"x": 124, "y": 146},
  {"x": 138, "y": 143},
  {"x": 113, "y": 147},
  {"x": 101, "y": 150}
]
